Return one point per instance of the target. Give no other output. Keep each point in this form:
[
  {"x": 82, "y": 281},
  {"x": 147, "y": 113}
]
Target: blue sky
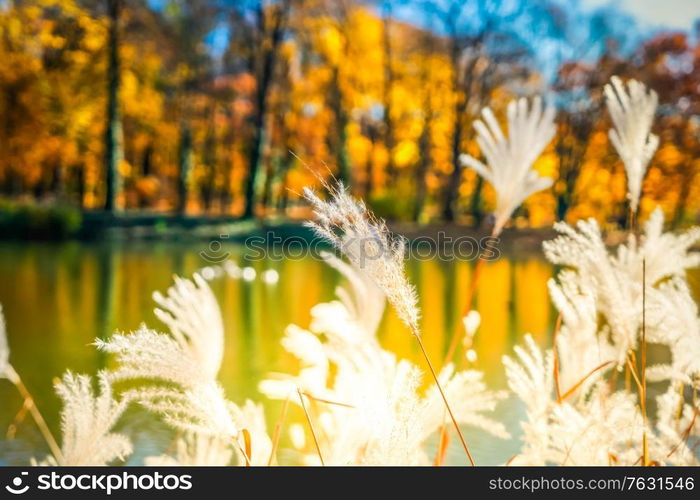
[{"x": 676, "y": 14}]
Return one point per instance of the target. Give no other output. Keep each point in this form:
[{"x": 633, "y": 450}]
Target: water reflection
[{"x": 59, "y": 297}]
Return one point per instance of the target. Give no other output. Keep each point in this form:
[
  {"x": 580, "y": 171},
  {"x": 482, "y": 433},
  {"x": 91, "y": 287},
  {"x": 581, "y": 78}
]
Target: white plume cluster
[
  {"x": 367, "y": 243},
  {"x": 612, "y": 304},
  {"x": 576, "y": 413},
  {"x": 195, "y": 450},
  {"x": 192, "y": 314},
  {"x": 613, "y": 281},
  {"x": 509, "y": 160},
  {"x": 366, "y": 402},
  {"x": 182, "y": 368},
  {"x": 87, "y": 420},
  {"x": 632, "y": 109}
]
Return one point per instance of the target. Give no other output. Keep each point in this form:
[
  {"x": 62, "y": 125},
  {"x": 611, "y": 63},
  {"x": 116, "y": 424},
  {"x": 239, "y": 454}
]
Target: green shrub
[
  {"x": 38, "y": 221},
  {"x": 391, "y": 206}
]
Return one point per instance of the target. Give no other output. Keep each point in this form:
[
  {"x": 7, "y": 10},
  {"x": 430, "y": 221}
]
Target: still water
[{"x": 58, "y": 298}]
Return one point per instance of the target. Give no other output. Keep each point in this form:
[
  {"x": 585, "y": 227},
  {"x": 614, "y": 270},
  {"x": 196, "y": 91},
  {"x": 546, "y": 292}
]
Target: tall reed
[{"x": 369, "y": 245}]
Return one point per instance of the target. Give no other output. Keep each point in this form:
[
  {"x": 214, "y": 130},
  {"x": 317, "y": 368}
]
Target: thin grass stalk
[
  {"x": 643, "y": 395},
  {"x": 244, "y": 451},
  {"x": 471, "y": 292},
  {"x": 36, "y": 414},
  {"x": 686, "y": 433},
  {"x": 311, "y": 426},
  {"x": 443, "y": 444},
  {"x": 634, "y": 375},
  {"x": 632, "y": 220},
  {"x": 17, "y": 421},
  {"x": 454, "y": 342},
  {"x": 555, "y": 364},
  {"x": 444, "y": 398},
  {"x": 580, "y": 382},
  {"x": 326, "y": 401},
  {"x": 679, "y": 410},
  {"x": 278, "y": 430}
]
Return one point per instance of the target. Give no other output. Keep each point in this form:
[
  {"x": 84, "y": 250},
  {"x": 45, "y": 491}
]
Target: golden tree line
[{"x": 121, "y": 106}]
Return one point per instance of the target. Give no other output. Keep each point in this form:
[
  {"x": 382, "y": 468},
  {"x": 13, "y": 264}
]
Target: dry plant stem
[
  {"x": 311, "y": 426},
  {"x": 442, "y": 446},
  {"x": 278, "y": 430},
  {"x": 632, "y": 221},
  {"x": 454, "y": 342},
  {"x": 444, "y": 398},
  {"x": 326, "y": 401},
  {"x": 36, "y": 415},
  {"x": 556, "y": 358},
  {"x": 458, "y": 330},
  {"x": 679, "y": 411},
  {"x": 686, "y": 433},
  {"x": 580, "y": 382},
  {"x": 643, "y": 394},
  {"x": 242, "y": 450},
  {"x": 634, "y": 374},
  {"x": 17, "y": 421}
]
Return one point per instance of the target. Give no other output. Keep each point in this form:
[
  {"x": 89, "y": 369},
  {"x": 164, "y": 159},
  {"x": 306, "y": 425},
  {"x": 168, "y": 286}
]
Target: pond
[{"x": 58, "y": 298}]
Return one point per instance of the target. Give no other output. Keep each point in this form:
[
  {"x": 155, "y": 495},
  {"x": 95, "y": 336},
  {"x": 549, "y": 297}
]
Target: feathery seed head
[
  {"x": 192, "y": 313},
  {"x": 509, "y": 160},
  {"x": 632, "y": 110},
  {"x": 87, "y": 420},
  {"x": 369, "y": 245}
]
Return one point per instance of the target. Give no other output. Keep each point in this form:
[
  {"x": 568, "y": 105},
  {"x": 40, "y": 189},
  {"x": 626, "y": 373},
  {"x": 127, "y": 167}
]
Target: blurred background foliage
[{"x": 225, "y": 107}]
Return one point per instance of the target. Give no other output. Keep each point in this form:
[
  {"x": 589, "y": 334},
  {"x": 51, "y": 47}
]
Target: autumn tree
[{"x": 260, "y": 25}]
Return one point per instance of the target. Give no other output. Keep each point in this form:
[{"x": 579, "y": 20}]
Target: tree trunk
[
  {"x": 389, "y": 140},
  {"x": 185, "y": 166},
  {"x": 113, "y": 133},
  {"x": 686, "y": 182},
  {"x": 454, "y": 180},
  {"x": 264, "y": 81},
  {"x": 341, "y": 120},
  {"x": 423, "y": 164}
]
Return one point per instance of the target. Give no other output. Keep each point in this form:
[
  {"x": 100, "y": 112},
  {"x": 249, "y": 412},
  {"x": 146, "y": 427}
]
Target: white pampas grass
[
  {"x": 192, "y": 313},
  {"x": 618, "y": 294},
  {"x": 673, "y": 320},
  {"x": 363, "y": 301},
  {"x": 151, "y": 355},
  {"x": 530, "y": 377},
  {"x": 471, "y": 322},
  {"x": 632, "y": 109},
  {"x": 509, "y": 160},
  {"x": 6, "y": 369},
  {"x": 675, "y": 423},
  {"x": 4, "y": 348},
  {"x": 614, "y": 280},
  {"x": 374, "y": 413},
  {"x": 251, "y": 418},
  {"x": 666, "y": 254},
  {"x": 197, "y": 404},
  {"x": 87, "y": 420},
  {"x": 368, "y": 244},
  {"x": 604, "y": 429},
  {"x": 582, "y": 347},
  {"x": 195, "y": 450},
  {"x": 587, "y": 430},
  {"x": 180, "y": 372}
]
